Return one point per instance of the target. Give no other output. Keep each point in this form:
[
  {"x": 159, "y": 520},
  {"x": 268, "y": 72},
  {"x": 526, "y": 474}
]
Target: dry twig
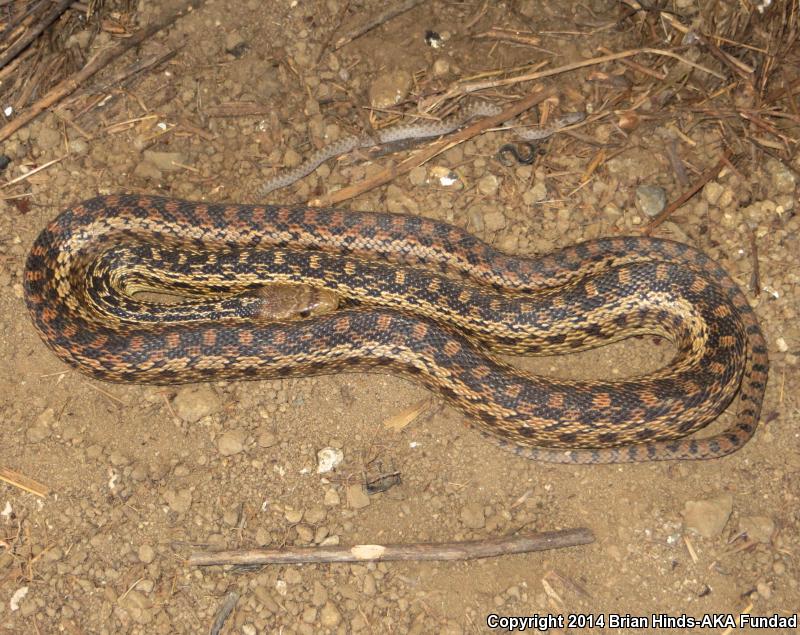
[
  {"x": 98, "y": 62},
  {"x": 23, "y": 482},
  {"x": 467, "y": 550}
]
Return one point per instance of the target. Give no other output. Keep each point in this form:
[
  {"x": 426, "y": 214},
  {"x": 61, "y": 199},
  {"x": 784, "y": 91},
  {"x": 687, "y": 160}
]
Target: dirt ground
[{"x": 142, "y": 476}]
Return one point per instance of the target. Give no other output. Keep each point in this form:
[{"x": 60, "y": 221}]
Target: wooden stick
[
  {"x": 27, "y": 175},
  {"x": 466, "y": 550},
  {"x": 23, "y": 482},
  {"x": 391, "y": 172},
  {"x": 99, "y": 61},
  {"x": 34, "y": 32},
  {"x": 460, "y": 89}
]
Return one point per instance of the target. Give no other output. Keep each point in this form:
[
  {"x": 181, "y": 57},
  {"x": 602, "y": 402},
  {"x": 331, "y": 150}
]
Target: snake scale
[{"x": 423, "y": 299}]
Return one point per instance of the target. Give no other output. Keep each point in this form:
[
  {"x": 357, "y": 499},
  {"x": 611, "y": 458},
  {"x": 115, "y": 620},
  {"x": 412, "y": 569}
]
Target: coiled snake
[{"x": 423, "y": 299}]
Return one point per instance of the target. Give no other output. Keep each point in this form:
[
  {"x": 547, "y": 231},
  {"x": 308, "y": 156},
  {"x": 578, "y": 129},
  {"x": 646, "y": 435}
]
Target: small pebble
[
  {"x": 192, "y": 403},
  {"x": 328, "y": 459},
  {"x": 267, "y": 440},
  {"x": 329, "y": 615},
  {"x": 390, "y": 88},
  {"x": 293, "y": 516},
  {"x": 757, "y": 528},
  {"x": 472, "y": 516},
  {"x": 332, "y": 498},
  {"x": 356, "y": 497},
  {"x": 178, "y": 501},
  {"x": 650, "y": 199},
  {"x": 488, "y": 185},
  {"x": 146, "y": 554},
  {"x": 231, "y": 442},
  {"x": 712, "y": 191},
  {"x": 708, "y": 517}
]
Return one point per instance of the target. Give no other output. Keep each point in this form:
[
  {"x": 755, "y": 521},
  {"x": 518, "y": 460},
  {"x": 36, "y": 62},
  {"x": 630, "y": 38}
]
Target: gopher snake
[{"x": 422, "y": 298}]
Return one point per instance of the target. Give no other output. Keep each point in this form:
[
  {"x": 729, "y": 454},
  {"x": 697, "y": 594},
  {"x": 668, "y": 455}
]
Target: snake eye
[{"x": 305, "y": 313}]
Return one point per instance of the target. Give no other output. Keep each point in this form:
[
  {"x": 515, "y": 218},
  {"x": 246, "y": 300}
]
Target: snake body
[
  {"x": 421, "y": 298},
  {"x": 403, "y": 132}
]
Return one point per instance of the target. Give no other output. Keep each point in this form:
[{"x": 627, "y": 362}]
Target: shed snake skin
[{"x": 403, "y": 132}]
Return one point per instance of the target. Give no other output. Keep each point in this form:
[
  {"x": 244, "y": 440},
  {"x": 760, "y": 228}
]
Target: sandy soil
[{"x": 141, "y": 476}]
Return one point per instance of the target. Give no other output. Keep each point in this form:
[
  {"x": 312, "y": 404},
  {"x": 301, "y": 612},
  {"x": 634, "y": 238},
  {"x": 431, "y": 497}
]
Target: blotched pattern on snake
[{"x": 421, "y": 298}]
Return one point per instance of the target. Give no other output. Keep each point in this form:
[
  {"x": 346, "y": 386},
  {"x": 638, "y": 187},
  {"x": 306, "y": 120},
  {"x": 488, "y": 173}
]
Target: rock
[
  {"x": 293, "y": 516},
  {"x": 137, "y": 606},
  {"x": 708, "y": 517},
  {"x": 472, "y": 516},
  {"x": 314, "y": 515},
  {"x": 180, "y": 501},
  {"x": 164, "y": 161},
  {"x": 711, "y": 192},
  {"x": 782, "y": 178},
  {"x": 267, "y": 440},
  {"x": 262, "y": 537},
  {"x": 146, "y": 170},
  {"x": 445, "y": 177},
  {"x": 309, "y": 615},
  {"x": 146, "y": 554},
  {"x": 37, "y": 433},
  {"x": 475, "y": 215},
  {"x": 418, "y": 176},
  {"x": 118, "y": 459},
  {"x": 397, "y": 202},
  {"x": 488, "y": 185},
  {"x": 332, "y": 498},
  {"x": 48, "y": 138},
  {"x": 536, "y": 194},
  {"x": 328, "y": 459},
  {"x": 329, "y": 615},
  {"x": 291, "y": 158},
  {"x": 320, "y": 534},
  {"x": 304, "y": 533},
  {"x": 757, "y": 528},
  {"x": 94, "y": 451},
  {"x": 293, "y": 576},
  {"x": 320, "y": 595},
  {"x": 231, "y": 442},
  {"x": 356, "y": 497},
  {"x": 369, "y": 587},
  {"x": 389, "y": 89},
  {"x": 234, "y": 43},
  {"x": 192, "y": 403},
  {"x": 230, "y": 517},
  {"x": 494, "y": 220},
  {"x": 650, "y": 199},
  {"x": 441, "y": 67}
]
